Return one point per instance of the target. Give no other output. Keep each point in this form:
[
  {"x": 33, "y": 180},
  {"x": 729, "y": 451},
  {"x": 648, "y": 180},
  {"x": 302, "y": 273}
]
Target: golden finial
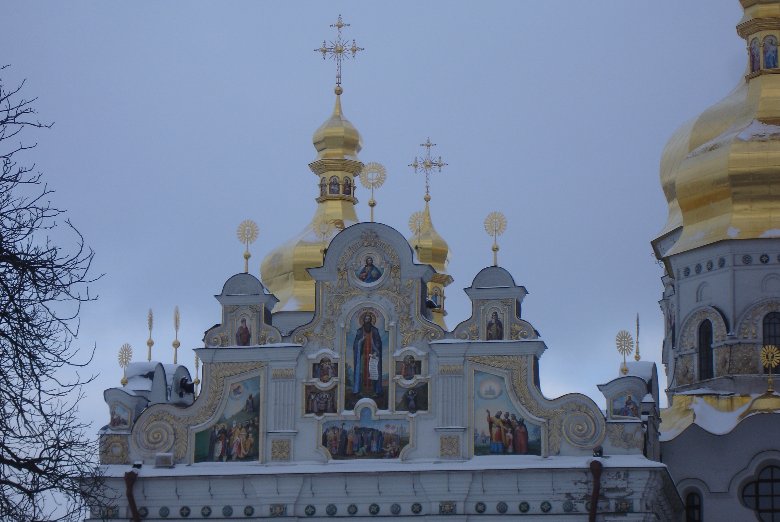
[
  {"x": 339, "y": 50},
  {"x": 372, "y": 176},
  {"x": 625, "y": 345},
  {"x": 416, "y": 222},
  {"x": 636, "y": 355},
  {"x": 426, "y": 164},
  {"x": 176, "y": 324},
  {"x": 495, "y": 225},
  {"x": 124, "y": 357},
  {"x": 149, "y": 342},
  {"x": 247, "y": 233},
  {"x": 196, "y": 382},
  {"x": 324, "y": 228},
  {"x": 770, "y": 359}
]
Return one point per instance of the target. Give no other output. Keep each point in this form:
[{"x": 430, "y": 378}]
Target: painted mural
[
  {"x": 411, "y": 399},
  {"x": 365, "y": 438},
  {"x": 235, "y": 434},
  {"x": 499, "y": 429},
  {"x": 319, "y": 401},
  {"x": 120, "y": 417},
  {"x": 367, "y": 359},
  {"x": 624, "y": 406}
]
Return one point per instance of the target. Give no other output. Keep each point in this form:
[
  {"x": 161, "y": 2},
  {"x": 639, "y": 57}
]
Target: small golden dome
[
  {"x": 431, "y": 248},
  {"x": 284, "y": 269},
  {"x": 337, "y": 138},
  {"x": 721, "y": 172}
]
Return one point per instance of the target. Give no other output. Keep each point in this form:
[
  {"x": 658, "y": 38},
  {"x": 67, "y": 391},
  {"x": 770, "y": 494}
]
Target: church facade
[{"x": 333, "y": 389}]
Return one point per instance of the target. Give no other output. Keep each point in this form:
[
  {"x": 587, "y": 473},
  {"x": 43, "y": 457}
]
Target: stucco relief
[
  {"x": 683, "y": 370},
  {"x": 280, "y": 449},
  {"x": 626, "y": 435},
  {"x": 114, "y": 449},
  {"x": 744, "y": 359},
  {"x": 449, "y": 446},
  {"x": 751, "y": 322},
  {"x": 689, "y": 331}
]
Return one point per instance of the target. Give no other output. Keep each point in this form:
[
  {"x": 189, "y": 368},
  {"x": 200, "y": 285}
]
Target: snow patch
[
  {"x": 775, "y": 232},
  {"x": 758, "y": 131},
  {"x": 732, "y": 232}
]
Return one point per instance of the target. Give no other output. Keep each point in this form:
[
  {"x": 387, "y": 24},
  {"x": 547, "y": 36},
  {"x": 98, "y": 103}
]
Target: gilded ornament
[
  {"x": 280, "y": 449},
  {"x": 372, "y": 176},
  {"x": 449, "y": 446},
  {"x": 247, "y": 233},
  {"x": 495, "y": 225},
  {"x": 752, "y": 320},
  {"x": 625, "y": 346},
  {"x": 149, "y": 342},
  {"x": 770, "y": 359},
  {"x": 339, "y": 50},
  {"x": 114, "y": 449},
  {"x": 125, "y": 356},
  {"x": 283, "y": 373},
  {"x": 451, "y": 369}
]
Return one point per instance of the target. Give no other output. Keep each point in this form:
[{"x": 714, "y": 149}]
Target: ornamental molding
[
  {"x": 690, "y": 328},
  {"x": 449, "y": 446},
  {"x": 751, "y": 322},
  {"x": 756, "y": 25},
  {"x": 621, "y": 437},
  {"x": 451, "y": 369},
  {"x": 114, "y": 449},
  {"x": 283, "y": 373},
  {"x": 280, "y": 449}
]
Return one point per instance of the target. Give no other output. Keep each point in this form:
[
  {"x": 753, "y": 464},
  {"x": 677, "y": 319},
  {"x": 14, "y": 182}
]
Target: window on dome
[
  {"x": 755, "y": 56},
  {"x": 770, "y": 52},
  {"x": 772, "y": 332},
  {"x": 763, "y": 494},
  {"x": 693, "y": 507},
  {"x": 705, "y": 350}
]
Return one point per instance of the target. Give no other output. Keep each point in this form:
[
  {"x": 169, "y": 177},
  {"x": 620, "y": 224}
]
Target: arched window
[
  {"x": 693, "y": 507},
  {"x": 323, "y": 186},
  {"x": 705, "y": 350},
  {"x": 772, "y": 332},
  {"x": 770, "y": 52},
  {"x": 755, "y": 56},
  {"x": 763, "y": 494}
]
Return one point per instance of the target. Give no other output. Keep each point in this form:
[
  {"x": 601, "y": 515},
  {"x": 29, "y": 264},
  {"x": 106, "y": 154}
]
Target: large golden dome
[
  {"x": 284, "y": 270},
  {"x": 721, "y": 172}
]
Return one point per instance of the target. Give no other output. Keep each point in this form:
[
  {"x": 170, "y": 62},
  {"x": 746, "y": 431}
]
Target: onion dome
[
  {"x": 721, "y": 171},
  {"x": 284, "y": 270},
  {"x": 433, "y": 250}
]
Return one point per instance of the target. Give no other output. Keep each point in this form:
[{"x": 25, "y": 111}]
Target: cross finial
[
  {"x": 339, "y": 50},
  {"x": 426, "y": 164}
]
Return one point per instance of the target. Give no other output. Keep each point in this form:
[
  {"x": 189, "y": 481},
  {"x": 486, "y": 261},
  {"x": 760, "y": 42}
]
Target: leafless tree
[{"x": 47, "y": 456}]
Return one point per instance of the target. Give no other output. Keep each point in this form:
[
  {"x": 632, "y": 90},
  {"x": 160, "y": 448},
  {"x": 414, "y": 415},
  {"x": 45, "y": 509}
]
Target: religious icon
[
  {"x": 366, "y": 375},
  {"x": 436, "y": 297},
  {"x": 370, "y": 272},
  {"x": 625, "y": 406},
  {"x": 365, "y": 438},
  {"x": 499, "y": 429},
  {"x": 412, "y": 399},
  {"x": 323, "y": 187},
  {"x": 347, "y": 191},
  {"x": 243, "y": 334},
  {"x": 319, "y": 401},
  {"x": 235, "y": 434},
  {"x": 495, "y": 328},
  {"x": 333, "y": 186},
  {"x": 770, "y": 52},
  {"x": 409, "y": 367},
  {"x": 367, "y": 351},
  {"x": 120, "y": 417},
  {"x": 325, "y": 370},
  {"x": 755, "y": 57}
]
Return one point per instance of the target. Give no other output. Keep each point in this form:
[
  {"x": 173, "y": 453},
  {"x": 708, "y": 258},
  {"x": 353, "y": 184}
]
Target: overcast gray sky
[{"x": 175, "y": 121}]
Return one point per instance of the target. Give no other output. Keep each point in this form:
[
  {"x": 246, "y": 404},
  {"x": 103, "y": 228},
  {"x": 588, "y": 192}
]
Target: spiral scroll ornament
[
  {"x": 156, "y": 437},
  {"x": 580, "y": 429}
]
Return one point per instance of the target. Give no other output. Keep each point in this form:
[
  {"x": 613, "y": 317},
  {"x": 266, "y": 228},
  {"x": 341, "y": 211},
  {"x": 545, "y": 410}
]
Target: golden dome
[
  {"x": 433, "y": 250},
  {"x": 721, "y": 172},
  {"x": 284, "y": 269},
  {"x": 337, "y": 138}
]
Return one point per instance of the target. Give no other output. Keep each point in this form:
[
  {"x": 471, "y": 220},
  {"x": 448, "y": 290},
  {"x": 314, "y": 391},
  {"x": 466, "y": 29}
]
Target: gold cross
[
  {"x": 338, "y": 50},
  {"x": 426, "y": 165}
]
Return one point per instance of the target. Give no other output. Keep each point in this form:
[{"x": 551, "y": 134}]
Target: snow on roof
[
  {"x": 715, "y": 413},
  {"x": 487, "y": 463},
  {"x": 641, "y": 369}
]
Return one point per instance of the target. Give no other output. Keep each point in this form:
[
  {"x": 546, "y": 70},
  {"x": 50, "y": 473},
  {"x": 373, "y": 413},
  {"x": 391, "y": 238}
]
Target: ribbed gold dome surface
[
  {"x": 284, "y": 270},
  {"x": 431, "y": 248},
  {"x": 721, "y": 172}
]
